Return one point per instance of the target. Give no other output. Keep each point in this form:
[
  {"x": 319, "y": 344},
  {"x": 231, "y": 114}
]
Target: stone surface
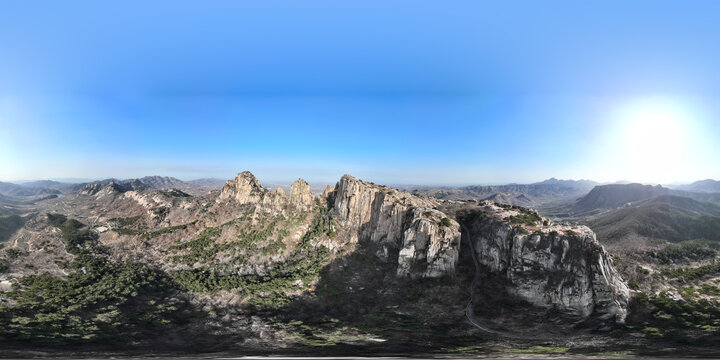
[
  {"x": 245, "y": 188},
  {"x": 300, "y": 194},
  {"x": 328, "y": 191},
  {"x": 397, "y": 223},
  {"x": 561, "y": 267}
]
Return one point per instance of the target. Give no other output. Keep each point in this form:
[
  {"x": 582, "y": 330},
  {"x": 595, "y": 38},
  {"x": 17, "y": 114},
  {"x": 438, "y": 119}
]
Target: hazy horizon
[
  {"x": 490, "y": 94},
  {"x": 265, "y": 182}
]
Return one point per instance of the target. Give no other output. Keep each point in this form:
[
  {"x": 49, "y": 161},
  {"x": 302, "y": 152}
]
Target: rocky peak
[
  {"x": 548, "y": 265},
  {"x": 328, "y": 190},
  {"x": 281, "y": 191},
  {"x": 245, "y": 188},
  {"x": 300, "y": 193}
]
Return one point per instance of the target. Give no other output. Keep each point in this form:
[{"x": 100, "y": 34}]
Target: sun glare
[{"x": 653, "y": 140}]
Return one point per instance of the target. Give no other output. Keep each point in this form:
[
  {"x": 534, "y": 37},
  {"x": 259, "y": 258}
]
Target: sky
[{"x": 395, "y": 92}]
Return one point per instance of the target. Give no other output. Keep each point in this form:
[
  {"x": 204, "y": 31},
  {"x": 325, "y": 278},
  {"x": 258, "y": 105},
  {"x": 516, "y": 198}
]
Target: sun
[{"x": 653, "y": 140}]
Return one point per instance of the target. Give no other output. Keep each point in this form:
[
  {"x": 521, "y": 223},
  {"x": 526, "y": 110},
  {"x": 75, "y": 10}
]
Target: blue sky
[{"x": 413, "y": 92}]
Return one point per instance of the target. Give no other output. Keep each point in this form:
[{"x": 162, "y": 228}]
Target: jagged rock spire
[
  {"x": 245, "y": 188},
  {"x": 300, "y": 193},
  {"x": 328, "y": 189}
]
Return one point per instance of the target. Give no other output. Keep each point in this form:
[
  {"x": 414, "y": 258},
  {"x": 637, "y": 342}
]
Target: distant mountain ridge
[
  {"x": 582, "y": 183},
  {"x": 193, "y": 187},
  {"x": 528, "y": 195},
  {"x": 708, "y": 185},
  {"x": 11, "y": 189}
]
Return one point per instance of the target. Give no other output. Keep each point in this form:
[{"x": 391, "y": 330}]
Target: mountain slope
[
  {"x": 616, "y": 195},
  {"x": 667, "y": 217}
]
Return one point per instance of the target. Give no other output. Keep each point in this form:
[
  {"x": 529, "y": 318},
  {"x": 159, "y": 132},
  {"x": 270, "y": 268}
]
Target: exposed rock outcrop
[
  {"x": 398, "y": 223},
  {"x": 558, "y": 267},
  {"x": 328, "y": 190},
  {"x": 245, "y": 188},
  {"x": 300, "y": 194}
]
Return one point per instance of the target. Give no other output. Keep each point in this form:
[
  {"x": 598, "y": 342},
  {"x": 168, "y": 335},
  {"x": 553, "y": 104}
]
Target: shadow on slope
[{"x": 359, "y": 301}]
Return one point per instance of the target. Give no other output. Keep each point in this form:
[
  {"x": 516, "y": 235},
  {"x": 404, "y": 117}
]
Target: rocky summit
[
  {"x": 551, "y": 266},
  {"x": 247, "y": 267}
]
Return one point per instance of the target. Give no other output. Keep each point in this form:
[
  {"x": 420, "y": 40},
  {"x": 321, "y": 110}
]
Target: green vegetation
[
  {"x": 128, "y": 221},
  {"x": 505, "y": 206},
  {"x": 4, "y": 265},
  {"x": 664, "y": 316},
  {"x": 135, "y": 226},
  {"x": 166, "y": 230},
  {"x": 72, "y": 232},
  {"x": 8, "y": 225},
  {"x": 528, "y": 219},
  {"x": 201, "y": 249},
  {"x": 204, "y": 249},
  {"x": 98, "y": 301},
  {"x": 303, "y": 264},
  {"x": 445, "y": 222},
  {"x": 14, "y": 253},
  {"x": 525, "y": 216},
  {"x": 124, "y": 231},
  {"x": 268, "y": 292},
  {"x": 692, "y": 273},
  {"x": 693, "y": 250},
  {"x": 274, "y": 247},
  {"x": 633, "y": 284}
]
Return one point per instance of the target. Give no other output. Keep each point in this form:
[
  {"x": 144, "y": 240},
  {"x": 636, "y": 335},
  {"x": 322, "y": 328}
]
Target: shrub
[
  {"x": 524, "y": 218},
  {"x": 103, "y": 302},
  {"x": 633, "y": 284},
  {"x": 445, "y": 222},
  {"x": 692, "y": 273},
  {"x": 669, "y": 315},
  {"x": 689, "y": 250}
]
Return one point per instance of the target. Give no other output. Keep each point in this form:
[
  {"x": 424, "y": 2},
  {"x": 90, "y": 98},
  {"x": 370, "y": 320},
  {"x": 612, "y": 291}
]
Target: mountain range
[{"x": 171, "y": 265}]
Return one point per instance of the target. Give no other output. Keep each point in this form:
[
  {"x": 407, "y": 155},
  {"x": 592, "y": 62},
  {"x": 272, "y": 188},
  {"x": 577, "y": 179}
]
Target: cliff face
[
  {"x": 300, "y": 193},
  {"x": 399, "y": 223},
  {"x": 559, "y": 267}
]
